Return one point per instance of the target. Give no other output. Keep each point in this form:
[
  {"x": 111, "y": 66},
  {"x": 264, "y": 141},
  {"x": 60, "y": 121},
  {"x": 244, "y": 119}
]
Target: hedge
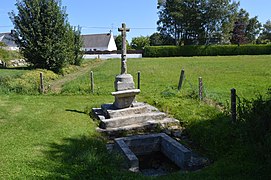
[{"x": 212, "y": 50}]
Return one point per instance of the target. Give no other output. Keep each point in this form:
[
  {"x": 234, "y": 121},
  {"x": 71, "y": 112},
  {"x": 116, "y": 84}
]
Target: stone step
[
  {"x": 132, "y": 119},
  {"x": 148, "y": 126},
  {"x": 125, "y": 112}
]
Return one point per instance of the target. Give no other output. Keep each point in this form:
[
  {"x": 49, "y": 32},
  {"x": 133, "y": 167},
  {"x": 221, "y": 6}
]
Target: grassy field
[
  {"x": 52, "y": 136},
  {"x": 250, "y": 75}
]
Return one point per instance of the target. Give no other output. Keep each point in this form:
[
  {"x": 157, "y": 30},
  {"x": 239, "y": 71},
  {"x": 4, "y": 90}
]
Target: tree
[
  {"x": 238, "y": 33},
  {"x": 220, "y": 17},
  {"x": 118, "y": 41},
  {"x": 197, "y": 21},
  {"x": 245, "y": 29},
  {"x": 265, "y": 36},
  {"x": 139, "y": 43},
  {"x": 158, "y": 39},
  {"x": 253, "y": 29},
  {"x": 78, "y": 43},
  {"x": 43, "y": 34}
]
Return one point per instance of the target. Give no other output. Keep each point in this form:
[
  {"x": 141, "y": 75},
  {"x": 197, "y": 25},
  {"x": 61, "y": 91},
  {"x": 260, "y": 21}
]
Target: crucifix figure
[{"x": 123, "y": 31}]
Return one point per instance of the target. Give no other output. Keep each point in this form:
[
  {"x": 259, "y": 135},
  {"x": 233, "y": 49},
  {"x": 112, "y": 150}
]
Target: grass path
[{"x": 56, "y": 86}]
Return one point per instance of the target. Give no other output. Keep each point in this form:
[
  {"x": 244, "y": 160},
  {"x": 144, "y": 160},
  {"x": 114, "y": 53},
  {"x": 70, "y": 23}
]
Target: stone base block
[{"x": 124, "y": 82}]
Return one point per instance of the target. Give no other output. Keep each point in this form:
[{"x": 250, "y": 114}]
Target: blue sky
[{"x": 101, "y": 16}]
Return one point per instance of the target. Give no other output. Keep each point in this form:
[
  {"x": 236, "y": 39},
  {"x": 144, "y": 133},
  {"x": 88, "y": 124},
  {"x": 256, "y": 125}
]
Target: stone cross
[{"x": 123, "y": 31}]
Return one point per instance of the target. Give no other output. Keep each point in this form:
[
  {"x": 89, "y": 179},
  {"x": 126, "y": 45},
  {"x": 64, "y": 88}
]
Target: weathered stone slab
[
  {"x": 132, "y": 119},
  {"x": 132, "y": 162},
  {"x": 112, "y": 112},
  {"x": 175, "y": 151}
]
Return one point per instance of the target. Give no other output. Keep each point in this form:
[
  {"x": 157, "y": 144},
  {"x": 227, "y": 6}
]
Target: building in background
[
  {"x": 8, "y": 40},
  {"x": 99, "y": 42}
]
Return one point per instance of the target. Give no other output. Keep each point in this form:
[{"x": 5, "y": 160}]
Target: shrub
[
  {"x": 9, "y": 55},
  {"x": 28, "y": 83},
  {"x": 255, "y": 123},
  {"x": 218, "y": 50}
]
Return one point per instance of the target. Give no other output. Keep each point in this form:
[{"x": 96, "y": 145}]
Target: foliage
[
  {"x": 9, "y": 55},
  {"x": 77, "y": 43},
  {"x": 140, "y": 43},
  {"x": 213, "y": 50},
  {"x": 196, "y": 22},
  {"x": 253, "y": 29},
  {"x": 265, "y": 36},
  {"x": 238, "y": 33},
  {"x": 245, "y": 29},
  {"x": 2, "y": 44},
  {"x": 118, "y": 41},
  {"x": 44, "y": 35},
  {"x": 158, "y": 39},
  {"x": 254, "y": 117},
  {"x": 27, "y": 83}
]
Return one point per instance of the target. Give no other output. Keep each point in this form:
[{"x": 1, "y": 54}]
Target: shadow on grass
[
  {"x": 76, "y": 111},
  {"x": 82, "y": 158},
  {"x": 17, "y": 68},
  {"x": 222, "y": 141}
]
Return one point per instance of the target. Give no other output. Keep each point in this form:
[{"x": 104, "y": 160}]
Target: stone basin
[
  {"x": 125, "y": 98},
  {"x": 134, "y": 146}
]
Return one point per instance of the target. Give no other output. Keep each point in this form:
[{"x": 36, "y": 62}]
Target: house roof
[
  {"x": 96, "y": 40},
  {"x": 7, "y": 39}
]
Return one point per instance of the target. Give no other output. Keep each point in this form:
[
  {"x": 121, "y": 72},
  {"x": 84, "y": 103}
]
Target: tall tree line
[{"x": 206, "y": 22}]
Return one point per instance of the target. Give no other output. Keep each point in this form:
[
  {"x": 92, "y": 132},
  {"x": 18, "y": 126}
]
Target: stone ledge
[
  {"x": 126, "y": 93},
  {"x": 132, "y": 119}
]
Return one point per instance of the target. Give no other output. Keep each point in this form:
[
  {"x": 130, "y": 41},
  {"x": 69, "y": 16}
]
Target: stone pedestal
[
  {"x": 125, "y": 91},
  {"x": 124, "y": 82}
]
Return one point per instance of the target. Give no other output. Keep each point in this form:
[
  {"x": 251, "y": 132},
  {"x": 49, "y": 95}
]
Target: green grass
[
  {"x": 250, "y": 75},
  {"x": 11, "y": 72},
  {"x": 53, "y": 137}
]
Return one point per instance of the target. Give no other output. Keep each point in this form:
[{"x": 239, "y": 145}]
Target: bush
[
  {"x": 255, "y": 123},
  {"x": 28, "y": 83},
  {"x": 9, "y": 55},
  {"x": 218, "y": 50}
]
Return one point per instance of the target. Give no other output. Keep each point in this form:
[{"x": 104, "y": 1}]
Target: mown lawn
[{"x": 53, "y": 137}]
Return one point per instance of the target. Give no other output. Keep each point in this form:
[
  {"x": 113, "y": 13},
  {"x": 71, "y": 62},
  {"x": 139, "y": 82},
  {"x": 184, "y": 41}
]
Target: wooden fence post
[
  {"x": 233, "y": 105},
  {"x": 200, "y": 88},
  {"x": 92, "y": 82},
  {"x": 138, "y": 79},
  {"x": 41, "y": 83},
  {"x": 181, "y": 80}
]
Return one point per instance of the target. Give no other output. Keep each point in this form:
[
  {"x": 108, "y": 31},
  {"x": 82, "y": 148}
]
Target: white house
[
  {"x": 8, "y": 40},
  {"x": 99, "y": 42}
]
